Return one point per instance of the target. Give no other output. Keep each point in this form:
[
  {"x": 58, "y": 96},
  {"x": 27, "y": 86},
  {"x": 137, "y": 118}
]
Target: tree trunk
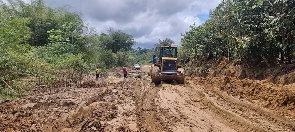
[
  {"x": 282, "y": 55},
  {"x": 210, "y": 56},
  {"x": 289, "y": 54}
]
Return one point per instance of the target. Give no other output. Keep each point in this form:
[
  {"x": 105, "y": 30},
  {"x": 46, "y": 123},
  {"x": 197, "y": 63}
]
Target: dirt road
[{"x": 135, "y": 104}]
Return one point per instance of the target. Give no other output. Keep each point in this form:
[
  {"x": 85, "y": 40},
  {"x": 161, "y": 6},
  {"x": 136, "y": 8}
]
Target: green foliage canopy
[
  {"x": 252, "y": 30},
  {"x": 116, "y": 41}
]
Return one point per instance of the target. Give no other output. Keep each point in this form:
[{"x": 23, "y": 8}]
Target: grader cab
[{"x": 167, "y": 68}]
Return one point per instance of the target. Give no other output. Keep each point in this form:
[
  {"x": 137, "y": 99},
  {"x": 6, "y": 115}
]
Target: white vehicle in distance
[{"x": 136, "y": 66}]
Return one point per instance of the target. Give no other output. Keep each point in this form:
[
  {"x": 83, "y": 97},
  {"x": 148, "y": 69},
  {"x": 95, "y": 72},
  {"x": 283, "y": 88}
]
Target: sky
[{"x": 146, "y": 20}]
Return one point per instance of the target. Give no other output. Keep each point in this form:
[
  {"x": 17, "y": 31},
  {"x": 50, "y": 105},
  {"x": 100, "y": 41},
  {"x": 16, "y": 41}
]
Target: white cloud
[
  {"x": 146, "y": 20},
  {"x": 191, "y": 19}
]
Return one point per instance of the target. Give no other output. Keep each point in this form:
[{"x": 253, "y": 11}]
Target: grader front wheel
[
  {"x": 155, "y": 79},
  {"x": 180, "y": 80}
]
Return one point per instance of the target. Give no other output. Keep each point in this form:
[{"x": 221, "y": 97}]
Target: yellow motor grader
[{"x": 167, "y": 68}]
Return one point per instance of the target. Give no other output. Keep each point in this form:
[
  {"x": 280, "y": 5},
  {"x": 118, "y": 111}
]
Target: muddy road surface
[{"x": 134, "y": 104}]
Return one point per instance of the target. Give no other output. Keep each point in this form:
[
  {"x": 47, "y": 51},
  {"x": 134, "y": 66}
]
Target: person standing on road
[
  {"x": 125, "y": 71},
  {"x": 97, "y": 72}
]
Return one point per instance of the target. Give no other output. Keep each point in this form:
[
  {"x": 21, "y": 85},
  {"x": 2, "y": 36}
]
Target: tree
[
  {"x": 116, "y": 41},
  {"x": 107, "y": 59},
  {"x": 252, "y": 30},
  {"x": 164, "y": 42},
  {"x": 141, "y": 55},
  {"x": 13, "y": 50},
  {"x": 37, "y": 42}
]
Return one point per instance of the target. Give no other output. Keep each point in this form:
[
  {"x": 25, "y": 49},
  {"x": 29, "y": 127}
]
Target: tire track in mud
[
  {"x": 171, "y": 107},
  {"x": 193, "y": 107},
  {"x": 247, "y": 116},
  {"x": 163, "y": 108},
  {"x": 197, "y": 108},
  {"x": 223, "y": 115},
  {"x": 191, "y": 115},
  {"x": 149, "y": 116}
]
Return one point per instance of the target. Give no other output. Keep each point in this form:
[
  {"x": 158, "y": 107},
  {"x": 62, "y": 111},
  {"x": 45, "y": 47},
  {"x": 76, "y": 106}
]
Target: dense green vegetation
[
  {"x": 39, "y": 46},
  {"x": 250, "y": 31}
]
